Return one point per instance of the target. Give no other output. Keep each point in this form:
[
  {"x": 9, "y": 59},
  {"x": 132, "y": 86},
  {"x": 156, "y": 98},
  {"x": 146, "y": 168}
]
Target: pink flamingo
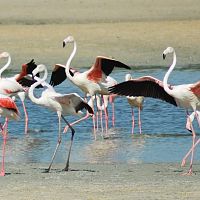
[
  {"x": 9, "y": 110},
  {"x": 92, "y": 81},
  {"x": 63, "y": 104},
  {"x": 135, "y": 102},
  {"x": 18, "y": 84},
  {"x": 186, "y": 96}
]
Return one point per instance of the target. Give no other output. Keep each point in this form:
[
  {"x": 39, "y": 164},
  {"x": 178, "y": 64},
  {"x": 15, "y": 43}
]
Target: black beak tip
[
  {"x": 164, "y": 56},
  {"x": 63, "y": 44}
]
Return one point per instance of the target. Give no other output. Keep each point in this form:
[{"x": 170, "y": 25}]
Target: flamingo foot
[
  {"x": 2, "y": 173},
  {"x": 183, "y": 163}
]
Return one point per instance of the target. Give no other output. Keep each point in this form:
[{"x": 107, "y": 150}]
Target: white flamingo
[
  {"x": 92, "y": 81},
  {"x": 135, "y": 102},
  {"x": 63, "y": 104},
  {"x": 186, "y": 96}
]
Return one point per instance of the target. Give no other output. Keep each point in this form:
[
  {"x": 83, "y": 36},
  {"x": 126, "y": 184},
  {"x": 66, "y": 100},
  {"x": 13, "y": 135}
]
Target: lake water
[{"x": 164, "y": 137}]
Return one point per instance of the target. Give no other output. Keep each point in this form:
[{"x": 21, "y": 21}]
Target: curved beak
[
  {"x": 164, "y": 56},
  {"x": 63, "y": 44}
]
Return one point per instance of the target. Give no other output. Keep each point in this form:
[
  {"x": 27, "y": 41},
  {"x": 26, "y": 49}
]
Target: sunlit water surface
[{"x": 164, "y": 137}]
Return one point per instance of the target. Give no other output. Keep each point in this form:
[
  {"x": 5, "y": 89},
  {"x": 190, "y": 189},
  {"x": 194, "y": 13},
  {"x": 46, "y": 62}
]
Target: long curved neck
[
  {"x": 169, "y": 91},
  {"x": 5, "y": 66},
  {"x": 70, "y": 60},
  {"x": 31, "y": 89}
]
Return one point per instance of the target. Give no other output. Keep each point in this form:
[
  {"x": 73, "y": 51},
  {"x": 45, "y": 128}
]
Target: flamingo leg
[
  {"x": 2, "y": 173},
  {"x": 113, "y": 114},
  {"x": 193, "y": 147},
  {"x": 26, "y": 117},
  {"x": 133, "y": 121},
  {"x": 106, "y": 114},
  {"x": 76, "y": 122},
  {"x": 71, "y": 142},
  {"x": 139, "y": 119},
  {"x": 58, "y": 142}
]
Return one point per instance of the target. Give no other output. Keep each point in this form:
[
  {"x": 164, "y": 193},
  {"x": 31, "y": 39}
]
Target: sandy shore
[
  {"x": 135, "y": 32},
  {"x": 99, "y": 181}
]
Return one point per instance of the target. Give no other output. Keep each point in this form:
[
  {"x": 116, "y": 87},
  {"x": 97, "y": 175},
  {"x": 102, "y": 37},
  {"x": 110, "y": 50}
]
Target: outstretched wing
[
  {"x": 58, "y": 75},
  {"x": 104, "y": 65},
  {"x": 146, "y": 86},
  {"x": 28, "y": 81}
]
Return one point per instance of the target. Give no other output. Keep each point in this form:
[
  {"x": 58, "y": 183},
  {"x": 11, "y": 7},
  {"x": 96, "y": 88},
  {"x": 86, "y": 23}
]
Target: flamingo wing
[
  {"x": 27, "y": 81},
  {"x": 58, "y": 75},
  {"x": 8, "y": 103},
  {"x": 74, "y": 99},
  {"x": 146, "y": 86},
  {"x": 104, "y": 65},
  {"x": 196, "y": 89},
  {"x": 10, "y": 87}
]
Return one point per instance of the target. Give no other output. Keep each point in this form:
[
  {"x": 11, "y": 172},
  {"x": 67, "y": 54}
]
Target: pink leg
[
  {"x": 139, "y": 120},
  {"x": 26, "y": 117},
  {"x": 101, "y": 118},
  {"x": 106, "y": 114},
  {"x": 193, "y": 147},
  {"x": 113, "y": 114},
  {"x": 190, "y": 127},
  {"x": 2, "y": 173},
  {"x": 133, "y": 120},
  {"x": 76, "y": 122}
]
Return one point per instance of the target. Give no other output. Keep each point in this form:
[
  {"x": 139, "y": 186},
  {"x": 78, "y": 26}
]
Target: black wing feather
[
  {"x": 58, "y": 76},
  {"x": 27, "y": 82},
  {"x": 144, "y": 88},
  {"x": 107, "y": 65},
  {"x": 83, "y": 105}
]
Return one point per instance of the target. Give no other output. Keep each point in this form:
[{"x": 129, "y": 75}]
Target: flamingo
[
  {"x": 9, "y": 110},
  {"x": 135, "y": 102},
  {"x": 91, "y": 81},
  {"x": 15, "y": 83},
  {"x": 63, "y": 104},
  {"x": 186, "y": 96}
]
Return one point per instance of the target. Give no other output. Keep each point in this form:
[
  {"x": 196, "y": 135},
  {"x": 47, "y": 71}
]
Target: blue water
[{"x": 164, "y": 137}]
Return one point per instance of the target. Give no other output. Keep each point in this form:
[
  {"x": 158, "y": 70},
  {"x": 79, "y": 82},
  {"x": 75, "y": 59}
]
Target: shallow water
[{"x": 164, "y": 137}]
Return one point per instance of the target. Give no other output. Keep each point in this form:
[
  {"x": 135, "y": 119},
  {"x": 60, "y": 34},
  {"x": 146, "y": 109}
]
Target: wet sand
[{"x": 99, "y": 181}]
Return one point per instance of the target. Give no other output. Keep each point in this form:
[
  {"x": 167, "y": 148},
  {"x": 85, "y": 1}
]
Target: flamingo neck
[
  {"x": 70, "y": 60},
  {"x": 5, "y": 66},
  {"x": 31, "y": 89},
  {"x": 166, "y": 87}
]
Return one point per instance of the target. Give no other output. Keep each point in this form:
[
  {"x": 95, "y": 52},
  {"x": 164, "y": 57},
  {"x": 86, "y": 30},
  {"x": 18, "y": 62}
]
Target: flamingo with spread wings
[
  {"x": 92, "y": 81},
  {"x": 186, "y": 96}
]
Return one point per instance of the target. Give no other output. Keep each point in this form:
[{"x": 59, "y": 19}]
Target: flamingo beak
[
  {"x": 164, "y": 56},
  {"x": 63, "y": 44}
]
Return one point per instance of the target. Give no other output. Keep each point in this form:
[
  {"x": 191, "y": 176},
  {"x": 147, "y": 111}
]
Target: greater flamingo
[
  {"x": 186, "y": 95},
  {"x": 135, "y": 102},
  {"x": 13, "y": 86},
  {"x": 63, "y": 104},
  {"x": 9, "y": 110},
  {"x": 92, "y": 81}
]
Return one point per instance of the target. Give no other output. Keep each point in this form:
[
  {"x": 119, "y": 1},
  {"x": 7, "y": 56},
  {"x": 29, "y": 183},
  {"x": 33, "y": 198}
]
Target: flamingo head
[
  {"x": 68, "y": 39},
  {"x": 128, "y": 77},
  {"x": 4, "y": 55},
  {"x": 167, "y": 51},
  {"x": 38, "y": 69}
]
